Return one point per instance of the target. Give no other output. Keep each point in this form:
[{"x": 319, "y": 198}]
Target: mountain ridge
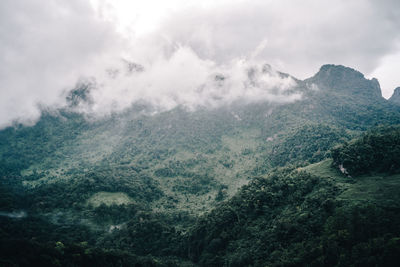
[
  {"x": 142, "y": 186},
  {"x": 345, "y": 79}
]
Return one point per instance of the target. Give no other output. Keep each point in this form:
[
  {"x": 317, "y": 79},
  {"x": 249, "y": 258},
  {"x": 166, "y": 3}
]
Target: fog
[
  {"x": 183, "y": 79},
  {"x": 13, "y": 214},
  {"x": 188, "y": 53}
]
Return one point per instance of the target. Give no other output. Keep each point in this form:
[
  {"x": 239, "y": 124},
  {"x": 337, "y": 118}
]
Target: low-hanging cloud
[
  {"x": 45, "y": 46},
  {"x": 183, "y": 79},
  {"x": 196, "y": 56}
]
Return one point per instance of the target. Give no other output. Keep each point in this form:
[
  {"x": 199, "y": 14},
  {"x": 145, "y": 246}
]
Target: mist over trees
[{"x": 308, "y": 183}]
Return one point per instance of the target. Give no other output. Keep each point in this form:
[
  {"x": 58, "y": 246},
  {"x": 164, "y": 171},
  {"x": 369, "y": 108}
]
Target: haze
[{"x": 46, "y": 47}]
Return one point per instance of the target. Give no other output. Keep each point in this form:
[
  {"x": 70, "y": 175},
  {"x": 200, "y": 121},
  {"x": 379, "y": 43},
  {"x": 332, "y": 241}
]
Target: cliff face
[
  {"x": 346, "y": 80},
  {"x": 395, "y": 98}
]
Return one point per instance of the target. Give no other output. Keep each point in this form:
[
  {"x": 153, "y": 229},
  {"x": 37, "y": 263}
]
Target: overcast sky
[{"x": 47, "y": 46}]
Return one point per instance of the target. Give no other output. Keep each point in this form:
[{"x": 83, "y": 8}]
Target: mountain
[
  {"x": 313, "y": 215},
  {"x": 346, "y": 96},
  {"x": 395, "y": 98},
  {"x": 348, "y": 81},
  {"x": 169, "y": 188}
]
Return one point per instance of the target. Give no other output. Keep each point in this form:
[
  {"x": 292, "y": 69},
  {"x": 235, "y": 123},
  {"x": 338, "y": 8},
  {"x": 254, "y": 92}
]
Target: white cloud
[
  {"x": 46, "y": 46},
  {"x": 299, "y": 36},
  {"x": 388, "y": 72},
  {"x": 184, "y": 79}
]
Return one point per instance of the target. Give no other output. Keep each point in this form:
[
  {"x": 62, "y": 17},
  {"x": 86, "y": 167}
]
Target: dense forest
[
  {"x": 376, "y": 151},
  {"x": 311, "y": 183}
]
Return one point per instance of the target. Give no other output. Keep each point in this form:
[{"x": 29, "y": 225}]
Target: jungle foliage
[
  {"x": 376, "y": 151},
  {"x": 239, "y": 185}
]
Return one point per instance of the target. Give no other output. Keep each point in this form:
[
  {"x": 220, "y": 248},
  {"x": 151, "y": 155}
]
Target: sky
[{"x": 48, "y": 47}]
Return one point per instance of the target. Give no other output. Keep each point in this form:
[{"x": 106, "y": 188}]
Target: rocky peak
[
  {"x": 330, "y": 72},
  {"x": 395, "y": 98},
  {"x": 343, "y": 79}
]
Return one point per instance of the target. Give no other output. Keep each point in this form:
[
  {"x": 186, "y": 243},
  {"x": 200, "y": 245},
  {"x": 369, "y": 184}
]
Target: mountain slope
[
  {"x": 118, "y": 176},
  {"x": 311, "y": 216},
  {"x": 395, "y": 98}
]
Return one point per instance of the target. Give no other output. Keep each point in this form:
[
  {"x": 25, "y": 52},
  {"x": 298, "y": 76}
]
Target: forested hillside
[
  {"x": 309, "y": 183},
  {"x": 377, "y": 151},
  {"x": 311, "y": 216}
]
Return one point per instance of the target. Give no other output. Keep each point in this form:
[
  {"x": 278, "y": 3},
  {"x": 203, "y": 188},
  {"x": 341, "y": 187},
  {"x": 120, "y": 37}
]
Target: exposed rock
[{"x": 395, "y": 98}]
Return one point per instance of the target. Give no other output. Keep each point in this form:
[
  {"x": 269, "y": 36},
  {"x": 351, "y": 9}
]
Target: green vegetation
[
  {"x": 242, "y": 185},
  {"x": 376, "y": 151},
  {"x": 108, "y": 199},
  {"x": 312, "y": 216},
  {"x": 308, "y": 144}
]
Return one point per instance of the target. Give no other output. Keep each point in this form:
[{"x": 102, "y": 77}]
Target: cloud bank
[
  {"x": 185, "y": 80},
  {"x": 298, "y": 36},
  {"x": 45, "y": 47},
  {"x": 192, "y": 54}
]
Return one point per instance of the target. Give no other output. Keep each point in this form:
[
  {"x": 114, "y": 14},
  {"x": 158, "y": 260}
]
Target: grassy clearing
[
  {"x": 379, "y": 189},
  {"x": 323, "y": 169},
  {"x": 109, "y": 198}
]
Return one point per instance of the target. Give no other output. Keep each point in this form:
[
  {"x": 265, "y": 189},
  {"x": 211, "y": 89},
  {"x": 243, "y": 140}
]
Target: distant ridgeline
[
  {"x": 314, "y": 182},
  {"x": 376, "y": 151}
]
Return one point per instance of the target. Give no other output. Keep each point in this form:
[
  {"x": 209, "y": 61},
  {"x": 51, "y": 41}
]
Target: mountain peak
[
  {"x": 339, "y": 78},
  {"x": 334, "y": 73},
  {"x": 395, "y": 98},
  {"x": 337, "y": 67}
]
